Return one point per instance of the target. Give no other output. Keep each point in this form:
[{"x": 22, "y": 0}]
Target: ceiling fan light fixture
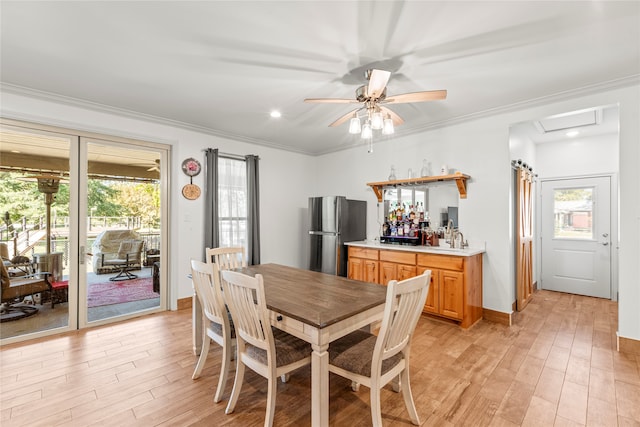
[
  {"x": 387, "y": 128},
  {"x": 367, "y": 132},
  {"x": 354, "y": 125},
  {"x": 376, "y": 120}
]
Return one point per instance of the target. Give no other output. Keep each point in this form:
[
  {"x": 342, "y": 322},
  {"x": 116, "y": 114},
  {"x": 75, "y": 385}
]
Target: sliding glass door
[
  {"x": 121, "y": 244},
  {"x": 88, "y": 213},
  {"x": 35, "y": 242}
]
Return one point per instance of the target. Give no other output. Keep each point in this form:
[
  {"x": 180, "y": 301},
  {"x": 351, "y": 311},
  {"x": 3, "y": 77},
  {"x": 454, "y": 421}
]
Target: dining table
[{"x": 316, "y": 307}]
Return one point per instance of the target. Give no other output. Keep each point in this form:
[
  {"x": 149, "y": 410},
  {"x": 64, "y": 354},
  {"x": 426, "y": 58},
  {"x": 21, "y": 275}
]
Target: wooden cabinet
[
  {"x": 363, "y": 264},
  {"x": 456, "y": 286},
  {"x": 396, "y": 265},
  {"x": 456, "y": 281}
]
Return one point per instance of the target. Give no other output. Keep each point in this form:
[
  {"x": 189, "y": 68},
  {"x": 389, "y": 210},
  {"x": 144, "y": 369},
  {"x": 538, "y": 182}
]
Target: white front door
[{"x": 576, "y": 236}]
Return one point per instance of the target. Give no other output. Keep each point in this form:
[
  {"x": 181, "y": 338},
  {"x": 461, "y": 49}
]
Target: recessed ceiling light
[
  {"x": 275, "y": 114},
  {"x": 15, "y": 151},
  {"x": 572, "y": 133}
]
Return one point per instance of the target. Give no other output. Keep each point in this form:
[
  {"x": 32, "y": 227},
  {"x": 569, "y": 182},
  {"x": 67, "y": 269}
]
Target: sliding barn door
[{"x": 524, "y": 237}]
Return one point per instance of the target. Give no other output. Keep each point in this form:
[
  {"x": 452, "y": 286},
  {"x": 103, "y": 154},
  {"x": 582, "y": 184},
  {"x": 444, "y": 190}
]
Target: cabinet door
[
  {"x": 406, "y": 271},
  {"x": 452, "y": 294},
  {"x": 432, "y": 304},
  {"x": 355, "y": 268},
  {"x": 370, "y": 271},
  {"x": 387, "y": 272}
]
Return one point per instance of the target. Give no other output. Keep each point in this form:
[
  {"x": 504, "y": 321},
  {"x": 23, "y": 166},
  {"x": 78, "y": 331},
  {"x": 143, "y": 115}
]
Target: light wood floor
[{"x": 556, "y": 366}]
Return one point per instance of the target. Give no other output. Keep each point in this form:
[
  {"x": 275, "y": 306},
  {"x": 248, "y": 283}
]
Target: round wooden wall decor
[{"x": 191, "y": 191}]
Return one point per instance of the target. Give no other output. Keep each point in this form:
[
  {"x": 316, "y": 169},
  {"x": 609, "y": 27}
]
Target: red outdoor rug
[{"x": 100, "y": 294}]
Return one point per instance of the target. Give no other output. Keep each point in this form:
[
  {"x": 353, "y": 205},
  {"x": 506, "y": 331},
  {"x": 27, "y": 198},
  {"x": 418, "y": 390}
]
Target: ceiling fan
[
  {"x": 374, "y": 98},
  {"x": 155, "y": 166}
]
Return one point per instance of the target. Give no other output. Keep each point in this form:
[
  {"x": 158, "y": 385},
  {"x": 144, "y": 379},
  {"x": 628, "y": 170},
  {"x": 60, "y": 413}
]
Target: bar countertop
[{"x": 442, "y": 250}]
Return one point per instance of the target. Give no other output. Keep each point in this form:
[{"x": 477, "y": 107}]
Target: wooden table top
[{"x": 317, "y": 299}]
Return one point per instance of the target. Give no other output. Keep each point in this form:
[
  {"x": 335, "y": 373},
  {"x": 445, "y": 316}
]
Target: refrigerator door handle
[{"x": 324, "y": 233}]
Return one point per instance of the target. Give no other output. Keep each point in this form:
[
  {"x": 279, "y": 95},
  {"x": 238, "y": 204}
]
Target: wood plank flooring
[{"x": 556, "y": 366}]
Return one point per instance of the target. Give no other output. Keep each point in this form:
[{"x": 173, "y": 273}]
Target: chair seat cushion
[
  {"x": 354, "y": 353},
  {"x": 217, "y": 327},
  {"x": 289, "y": 349}
]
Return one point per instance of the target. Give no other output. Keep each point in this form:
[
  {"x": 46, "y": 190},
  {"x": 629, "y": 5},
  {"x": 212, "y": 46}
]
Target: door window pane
[{"x": 573, "y": 213}]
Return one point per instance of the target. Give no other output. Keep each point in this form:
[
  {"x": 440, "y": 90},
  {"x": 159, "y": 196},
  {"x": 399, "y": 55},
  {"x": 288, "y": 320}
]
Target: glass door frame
[
  {"x": 78, "y": 165},
  {"x": 164, "y": 151}
]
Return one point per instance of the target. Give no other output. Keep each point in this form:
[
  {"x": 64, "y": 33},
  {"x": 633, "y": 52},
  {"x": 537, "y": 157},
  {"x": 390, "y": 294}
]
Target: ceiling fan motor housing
[{"x": 362, "y": 94}]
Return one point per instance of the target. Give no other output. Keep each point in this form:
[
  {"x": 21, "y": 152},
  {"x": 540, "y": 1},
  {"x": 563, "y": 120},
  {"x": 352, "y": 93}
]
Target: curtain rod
[{"x": 232, "y": 156}]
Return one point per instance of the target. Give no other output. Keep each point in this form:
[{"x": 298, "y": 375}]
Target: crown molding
[
  {"x": 627, "y": 81},
  {"x": 123, "y": 112}
]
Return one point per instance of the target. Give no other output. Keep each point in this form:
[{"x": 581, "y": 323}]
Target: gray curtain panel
[
  {"x": 211, "y": 223},
  {"x": 253, "y": 210}
]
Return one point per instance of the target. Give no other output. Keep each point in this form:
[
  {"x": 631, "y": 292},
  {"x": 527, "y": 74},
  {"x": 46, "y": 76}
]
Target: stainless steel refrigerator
[{"x": 333, "y": 221}]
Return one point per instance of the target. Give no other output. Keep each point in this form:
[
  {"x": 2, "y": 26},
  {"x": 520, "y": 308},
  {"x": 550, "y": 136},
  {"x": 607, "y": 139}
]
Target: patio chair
[
  {"x": 376, "y": 360},
  {"x": 15, "y": 288},
  {"x": 129, "y": 256}
]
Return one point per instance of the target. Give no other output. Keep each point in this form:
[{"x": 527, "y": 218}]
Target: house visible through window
[{"x": 232, "y": 202}]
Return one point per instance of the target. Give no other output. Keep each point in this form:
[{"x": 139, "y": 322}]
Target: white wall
[
  {"x": 286, "y": 181},
  {"x": 480, "y": 148},
  {"x": 577, "y": 157}
]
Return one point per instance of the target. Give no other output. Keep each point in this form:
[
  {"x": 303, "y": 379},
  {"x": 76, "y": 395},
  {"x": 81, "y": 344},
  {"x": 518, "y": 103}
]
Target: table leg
[
  {"x": 319, "y": 385},
  {"x": 196, "y": 328}
]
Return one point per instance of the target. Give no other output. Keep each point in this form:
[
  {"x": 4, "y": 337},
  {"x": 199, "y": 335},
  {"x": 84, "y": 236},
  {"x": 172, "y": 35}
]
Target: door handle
[
  {"x": 605, "y": 243},
  {"x": 605, "y": 234}
]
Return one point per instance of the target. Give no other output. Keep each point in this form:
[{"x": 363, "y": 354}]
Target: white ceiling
[{"x": 221, "y": 67}]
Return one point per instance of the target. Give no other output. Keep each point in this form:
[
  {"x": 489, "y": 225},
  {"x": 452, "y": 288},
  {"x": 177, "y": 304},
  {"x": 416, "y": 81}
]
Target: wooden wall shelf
[{"x": 459, "y": 178}]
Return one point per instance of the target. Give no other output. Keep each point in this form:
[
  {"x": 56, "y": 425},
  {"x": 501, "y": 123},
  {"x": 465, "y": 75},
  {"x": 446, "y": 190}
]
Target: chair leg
[
  {"x": 227, "y": 351},
  {"x": 123, "y": 274},
  {"x": 408, "y": 397},
  {"x": 206, "y": 343},
  {"x": 237, "y": 385},
  {"x": 396, "y": 383},
  {"x": 271, "y": 400},
  {"x": 376, "y": 410}
]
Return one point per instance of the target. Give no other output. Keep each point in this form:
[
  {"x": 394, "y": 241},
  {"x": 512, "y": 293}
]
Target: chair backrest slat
[
  {"x": 206, "y": 281},
  {"x": 227, "y": 258},
  {"x": 404, "y": 304},
  {"x": 245, "y": 298}
]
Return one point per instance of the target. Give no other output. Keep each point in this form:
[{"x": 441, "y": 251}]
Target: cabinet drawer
[
  {"x": 363, "y": 252},
  {"x": 441, "y": 261},
  {"x": 398, "y": 257}
]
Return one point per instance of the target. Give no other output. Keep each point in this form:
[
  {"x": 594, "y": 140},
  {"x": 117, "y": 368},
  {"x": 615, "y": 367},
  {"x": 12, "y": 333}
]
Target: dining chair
[
  {"x": 266, "y": 350},
  {"x": 219, "y": 328},
  {"x": 376, "y": 360},
  {"x": 227, "y": 258}
]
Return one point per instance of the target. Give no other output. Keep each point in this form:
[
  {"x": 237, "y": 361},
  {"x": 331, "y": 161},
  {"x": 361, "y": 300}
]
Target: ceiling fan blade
[
  {"x": 344, "y": 118},
  {"x": 430, "y": 95},
  {"x": 377, "y": 82},
  {"x": 397, "y": 120},
  {"x": 331, "y": 100}
]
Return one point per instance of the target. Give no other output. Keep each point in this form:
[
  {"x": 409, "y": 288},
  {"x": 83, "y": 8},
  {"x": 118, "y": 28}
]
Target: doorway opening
[{"x": 567, "y": 151}]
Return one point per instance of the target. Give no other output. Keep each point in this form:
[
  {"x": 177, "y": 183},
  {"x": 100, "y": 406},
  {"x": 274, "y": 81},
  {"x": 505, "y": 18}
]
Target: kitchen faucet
[{"x": 454, "y": 237}]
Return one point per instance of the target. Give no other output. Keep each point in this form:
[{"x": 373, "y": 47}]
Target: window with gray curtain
[{"x": 232, "y": 212}]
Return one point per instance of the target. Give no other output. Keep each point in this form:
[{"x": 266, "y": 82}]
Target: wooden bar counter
[{"x": 456, "y": 275}]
